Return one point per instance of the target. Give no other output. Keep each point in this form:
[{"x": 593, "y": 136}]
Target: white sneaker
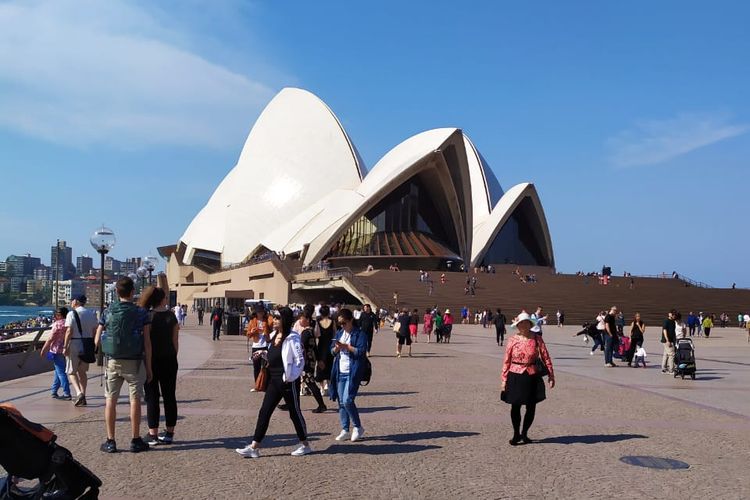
[
  {"x": 302, "y": 450},
  {"x": 253, "y": 390},
  {"x": 248, "y": 451},
  {"x": 591, "y": 353},
  {"x": 357, "y": 433},
  {"x": 342, "y": 435}
]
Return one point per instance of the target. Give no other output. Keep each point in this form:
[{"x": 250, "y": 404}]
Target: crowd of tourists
[{"x": 40, "y": 321}]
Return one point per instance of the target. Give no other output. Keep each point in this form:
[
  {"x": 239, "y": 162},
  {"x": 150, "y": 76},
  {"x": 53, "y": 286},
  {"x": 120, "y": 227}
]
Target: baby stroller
[
  {"x": 29, "y": 451},
  {"x": 684, "y": 359}
]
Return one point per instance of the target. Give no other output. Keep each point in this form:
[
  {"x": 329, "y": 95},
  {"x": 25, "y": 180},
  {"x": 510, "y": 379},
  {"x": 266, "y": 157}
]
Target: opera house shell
[{"x": 301, "y": 190}]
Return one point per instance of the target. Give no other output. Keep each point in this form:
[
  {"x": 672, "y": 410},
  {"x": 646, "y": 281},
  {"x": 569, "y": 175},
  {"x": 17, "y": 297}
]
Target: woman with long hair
[
  {"x": 286, "y": 363},
  {"x": 165, "y": 331},
  {"x": 637, "y": 329},
  {"x": 54, "y": 346},
  {"x": 427, "y": 321},
  {"x": 326, "y": 328},
  {"x": 258, "y": 331},
  {"x": 522, "y": 385},
  {"x": 350, "y": 351}
]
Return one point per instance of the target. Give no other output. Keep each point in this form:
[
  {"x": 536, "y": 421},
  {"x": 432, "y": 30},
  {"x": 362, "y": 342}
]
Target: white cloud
[
  {"x": 656, "y": 141},
  {"x": 92, "y": 72}
]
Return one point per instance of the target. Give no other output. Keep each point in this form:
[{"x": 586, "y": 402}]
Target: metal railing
[
  {"x": 32, "y": 345},
  {"x": 674, "y": 276},
  {"x": 343, "y": 272}
]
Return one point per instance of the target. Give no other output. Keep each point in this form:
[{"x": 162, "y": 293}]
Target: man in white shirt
[{"x": 75, "y": 368}]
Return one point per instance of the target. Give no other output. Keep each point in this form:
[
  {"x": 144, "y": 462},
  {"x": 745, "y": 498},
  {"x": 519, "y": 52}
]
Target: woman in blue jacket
[{"x": 349, "y": 348}]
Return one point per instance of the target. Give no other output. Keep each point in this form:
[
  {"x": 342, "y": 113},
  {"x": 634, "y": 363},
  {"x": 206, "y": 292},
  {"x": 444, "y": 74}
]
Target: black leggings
[
  {"x": 276, "y": 391},
  {"x": 164, "y": 378},
  {"x": 528, "y": 419},
  {"x": 500, "y": 334},
  {"x": 309, "y": 380}
]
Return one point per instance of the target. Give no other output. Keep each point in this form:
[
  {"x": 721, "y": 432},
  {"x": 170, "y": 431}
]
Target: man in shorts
[
  {"x": 128, "y": 367},
  {"x": 75, "y": 368}
]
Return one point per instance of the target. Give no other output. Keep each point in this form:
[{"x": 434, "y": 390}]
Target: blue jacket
[{"x": 356, "y": 368}]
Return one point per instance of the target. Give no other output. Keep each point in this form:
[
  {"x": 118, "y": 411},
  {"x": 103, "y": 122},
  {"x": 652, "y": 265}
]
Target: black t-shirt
[
  {"x": 275, "y": 361},
  {"x": 500, "y": 321},
  {"x": 669, "y": 326},
  {"x": 610, "y": 320},
  {"x": 367, "y": 322},
  {"x": 414, "y": 319},
  {"x": 217, "y": 315},
  {"x": 162, "y": 326}
]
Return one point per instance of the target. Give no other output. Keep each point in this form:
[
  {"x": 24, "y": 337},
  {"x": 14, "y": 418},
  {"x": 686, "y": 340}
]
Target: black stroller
[
  {"x": 28, "y": 450},
  {"x": 684, "y": 359}
]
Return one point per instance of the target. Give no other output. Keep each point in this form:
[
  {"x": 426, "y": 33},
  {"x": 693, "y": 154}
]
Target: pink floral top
[
  {"x": 57, "y": 338},
  {"x": 521, "y": 354},
  {"x": 427, "y": 321}
]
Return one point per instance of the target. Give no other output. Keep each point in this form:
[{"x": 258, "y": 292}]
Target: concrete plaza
[{"x": 435, "y": 427}]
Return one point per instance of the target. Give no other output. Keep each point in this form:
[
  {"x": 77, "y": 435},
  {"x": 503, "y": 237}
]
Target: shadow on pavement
[
  {"x": 386, "y": 393},
  {"x": 590, "y": 439},
  {"x": 188, "y": 401},
  {"x": 419, "y": 436},
  {"x": 237, "y": 442},
  {"x": 214, "y": 369},
  {"x": 377, "y": 449},
  {"x": 375, "y": 409}
]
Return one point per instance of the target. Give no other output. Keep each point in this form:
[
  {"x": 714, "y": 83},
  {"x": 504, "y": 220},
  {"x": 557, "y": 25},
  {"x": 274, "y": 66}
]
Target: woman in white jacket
[{"x": 285, "y": 365}]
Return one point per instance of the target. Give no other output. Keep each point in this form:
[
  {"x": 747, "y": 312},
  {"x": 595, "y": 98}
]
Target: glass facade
[
  {"x": 520, "y": 241},
  {"x": 406, "y": 222}
]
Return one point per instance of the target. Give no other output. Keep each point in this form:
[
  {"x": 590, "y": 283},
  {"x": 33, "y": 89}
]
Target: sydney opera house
[{"x": 300, "y": 196}]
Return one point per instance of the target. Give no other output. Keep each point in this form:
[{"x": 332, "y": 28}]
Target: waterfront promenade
[{"x": 435, "y": 427}]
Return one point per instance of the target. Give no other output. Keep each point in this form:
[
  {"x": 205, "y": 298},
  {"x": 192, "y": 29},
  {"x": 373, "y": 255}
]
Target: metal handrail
[{"x": 669, "y": 276}]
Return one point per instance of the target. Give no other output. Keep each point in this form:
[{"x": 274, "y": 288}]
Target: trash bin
[{"x": 233, "y": 324}]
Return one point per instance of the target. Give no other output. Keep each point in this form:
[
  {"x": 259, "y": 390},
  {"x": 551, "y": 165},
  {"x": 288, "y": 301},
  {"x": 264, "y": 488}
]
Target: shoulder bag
[
  {"x": 261, "y": 383},
  {"x": 88, "y": 355},
  {"x": 541, "y": 367}
]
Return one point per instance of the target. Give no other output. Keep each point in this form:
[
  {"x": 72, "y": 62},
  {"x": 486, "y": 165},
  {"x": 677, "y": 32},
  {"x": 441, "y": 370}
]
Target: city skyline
[{"x": 632, "y": 120}]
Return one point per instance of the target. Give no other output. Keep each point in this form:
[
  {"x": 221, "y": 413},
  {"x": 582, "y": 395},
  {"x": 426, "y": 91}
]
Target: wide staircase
[{"x": 580, "y": 297}]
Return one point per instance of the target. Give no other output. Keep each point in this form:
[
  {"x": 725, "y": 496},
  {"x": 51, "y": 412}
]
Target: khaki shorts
[
  {"x": 73, "y": 363},
  {"x": 118, "y": 371}
]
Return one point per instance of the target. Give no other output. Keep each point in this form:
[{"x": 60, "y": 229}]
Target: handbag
[
  {"x": 261, "y": 383},
  {"x": 87, "y": 355},
  {"x": 541, "y": 367},
  {"x": 397, "y": 326}
]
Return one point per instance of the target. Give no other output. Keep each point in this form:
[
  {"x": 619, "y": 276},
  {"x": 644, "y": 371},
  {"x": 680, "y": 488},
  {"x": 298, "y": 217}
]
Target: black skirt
[{"x": 523, "y": 389}]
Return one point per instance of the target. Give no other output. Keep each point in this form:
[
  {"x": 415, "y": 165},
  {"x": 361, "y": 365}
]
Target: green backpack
[{"x": 123, "y": 338}]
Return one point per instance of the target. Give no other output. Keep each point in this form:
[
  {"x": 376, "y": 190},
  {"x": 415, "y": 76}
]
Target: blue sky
[{"x": 632, "y": 118}]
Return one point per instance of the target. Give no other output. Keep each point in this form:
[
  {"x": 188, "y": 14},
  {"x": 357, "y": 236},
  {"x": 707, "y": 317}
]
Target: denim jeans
[
  {"x": 597, "y": 341},
  {"x": 347, "y": 409},
  {"x": 609, "y": 344},
  {"x": 61, "y": 379}
]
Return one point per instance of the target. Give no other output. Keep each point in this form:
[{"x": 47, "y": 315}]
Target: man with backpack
[
  {"x": 217, "y": 318},
  {"x": 124, "y": 336}
]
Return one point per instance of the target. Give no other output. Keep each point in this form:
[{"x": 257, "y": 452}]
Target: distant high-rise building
[
  {"x": 84, "y": 265},
  {"x": 43, "y": 273},
  {"x": 112, "y": 265},
  {"x": 65, "y": 269},
  {"x": 131, "y": 265},
  {"x": 20, "y": 269}
]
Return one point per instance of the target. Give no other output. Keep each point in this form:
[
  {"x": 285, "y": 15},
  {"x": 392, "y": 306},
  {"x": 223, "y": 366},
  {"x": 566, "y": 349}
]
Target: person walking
[
  {"x": 165, "y": 344},
  {"x": 499, "y": 321},
  {"x": 80, "y": 327},
  {"x": 200, "y": 315},
  {"x": 326, "y": 329},
  {"x": 692, "y": 322},
  {"x": 414, "y": 325},
  {"x": 427, "y": 322},
  {"x": 637, "y": 331},
  {"x": 258, "y": 332},
  {"x": 349, "y": 349},
  {"x": 707, "y": 324},
  {"x": 447, "y": 326},
  {"x": 439, "y": 327},
  {"x": 668, "y": 339},
  {"x": 310, "y": 350},
  {"x": 217, "y": 318},
  {"x": 127, "y": 347},
  {"x": 368, "y": 323},
  {"x": 610, "y": 337},
  {"x": 286, "y": 363},
  {"x": 521, "y": 382},
  {"x": 403, "y": 335},
  {"x": 53, "y": 350}
]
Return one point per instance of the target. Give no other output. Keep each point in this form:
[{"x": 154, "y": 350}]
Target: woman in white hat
[{"x": 522, "y": 384}]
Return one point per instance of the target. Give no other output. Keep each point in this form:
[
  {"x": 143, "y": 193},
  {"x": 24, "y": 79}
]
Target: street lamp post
[
  {"x": 142, "y": 272},
  {"x": 103, "y": 240},
  {"x": 150, "y": 262}
]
